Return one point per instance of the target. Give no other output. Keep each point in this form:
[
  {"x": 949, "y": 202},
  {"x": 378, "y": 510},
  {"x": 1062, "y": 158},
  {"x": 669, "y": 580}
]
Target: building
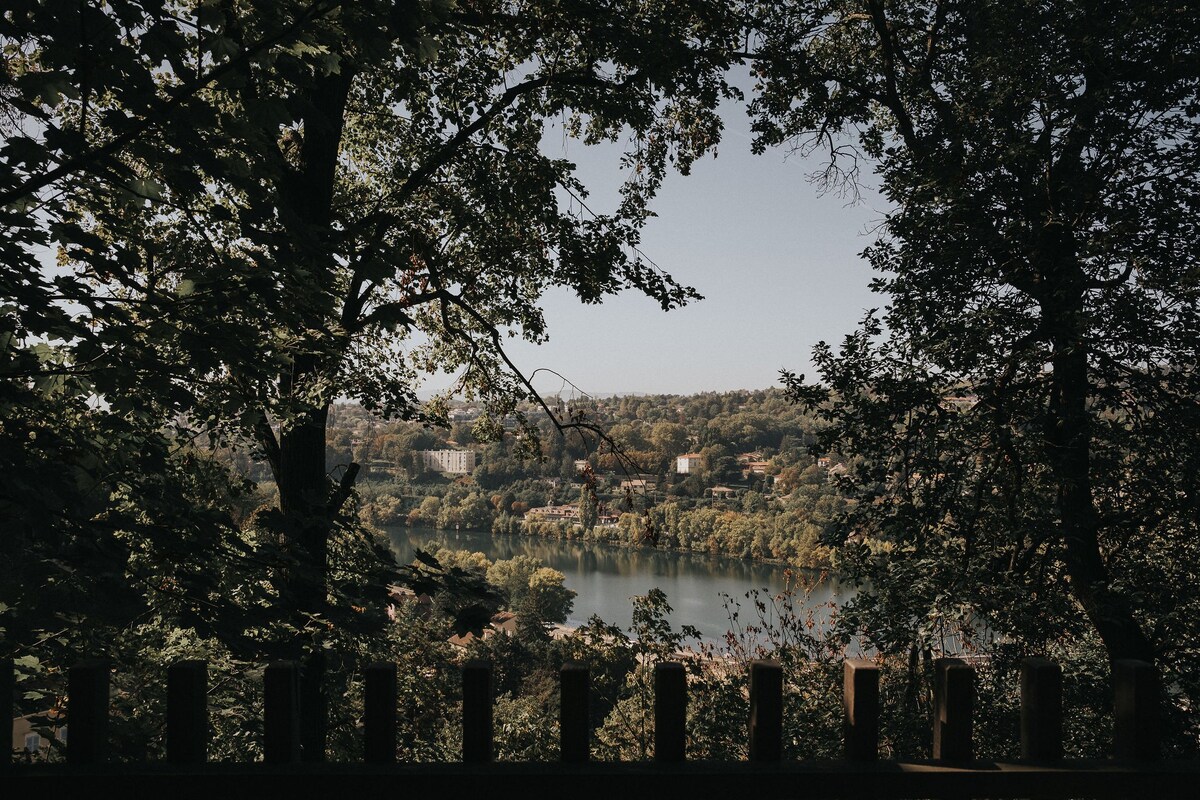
[
  {"x": 687, "y": 463},
  {"x": 553, "y": 513},
  {"x": 639, "y": 485},
  {"x": 27, "y": 740},
  {"x": 451, "y": 462}
]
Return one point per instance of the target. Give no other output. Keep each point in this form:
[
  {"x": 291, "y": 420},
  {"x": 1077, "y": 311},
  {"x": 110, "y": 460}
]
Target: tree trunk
[
  {"x": 304, "y": 493},
  {"x": 1069, "y": 442},
  {"x": 304, "y": 489}
]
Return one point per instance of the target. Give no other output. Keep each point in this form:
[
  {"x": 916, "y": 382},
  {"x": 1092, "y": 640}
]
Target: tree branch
[{"x": 162, "y": 110}]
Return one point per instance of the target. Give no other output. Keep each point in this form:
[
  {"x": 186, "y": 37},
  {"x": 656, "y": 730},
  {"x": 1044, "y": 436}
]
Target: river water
[{"x": 605, "y": 577}]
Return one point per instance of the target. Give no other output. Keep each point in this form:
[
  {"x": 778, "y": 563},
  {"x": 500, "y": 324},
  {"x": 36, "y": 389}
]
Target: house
[
  {"x": 399, "y": 596},
  {"x": 552, "y": 513},
  {"x": 687, "y": 463},
  {"x": 754, "y": 468},
  {"x": 464, "y": 413},
  {"x": 503, "y": 622},
  {"x": 29, "y": 744},
  {"x": 723, "y": 492},
  {"x": 639, "y": 485},
  {"x": 960, "y": 404}
]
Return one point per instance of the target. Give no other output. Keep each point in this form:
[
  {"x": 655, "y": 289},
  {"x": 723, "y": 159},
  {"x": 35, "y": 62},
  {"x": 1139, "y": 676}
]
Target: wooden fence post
[
  {"x": 379, "y": 713},
  {"x": 1041, "y": 710},
  {"x": 187, "y": 712},
  {"x": 87, "y": 712},
  {"x": 670, "y": 711},
  {"x": 766, "y": 710},
  {"x": 953, "y": 705},
  {"x": 281, "y": 714},
  {"x": 477, "y": 712},
  {"x": 1135, "y": 710},
  {"x": 574, "y": 723},
  {"x": 860, "y": 699},
  {"x": 8, "y": 686}
]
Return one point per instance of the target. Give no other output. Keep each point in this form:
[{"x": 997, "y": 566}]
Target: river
[{"x": 605, "y": 577}]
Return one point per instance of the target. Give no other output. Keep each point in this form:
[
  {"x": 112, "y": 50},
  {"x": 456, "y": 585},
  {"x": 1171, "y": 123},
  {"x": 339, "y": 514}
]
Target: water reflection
[{"x": 605, "y": 577}]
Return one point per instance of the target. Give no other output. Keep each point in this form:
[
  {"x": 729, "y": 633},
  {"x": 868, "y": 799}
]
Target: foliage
[
  {"x": 1024, "y": 406},
  {"x": 255, "y": 207}
]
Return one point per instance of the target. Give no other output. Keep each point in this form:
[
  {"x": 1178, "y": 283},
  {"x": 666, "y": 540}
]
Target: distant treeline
[{"x": 786, "y": 511}]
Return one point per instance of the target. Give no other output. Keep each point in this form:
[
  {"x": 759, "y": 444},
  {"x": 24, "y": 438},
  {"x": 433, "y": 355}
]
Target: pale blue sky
[{"x": 777, "y": 263}]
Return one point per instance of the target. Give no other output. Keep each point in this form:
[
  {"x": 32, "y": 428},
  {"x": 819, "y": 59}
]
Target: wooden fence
[{"x": 1135, "y": 770}]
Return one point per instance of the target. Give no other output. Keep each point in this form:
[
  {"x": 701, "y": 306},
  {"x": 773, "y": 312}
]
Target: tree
[
  {"x": 399, "y": 213},
  {"x": 670, "y": 439},
  {"x": 547, "y": 600},
  {"x": 589, "y": 507},
  {"x": 1025, "y": 404}
]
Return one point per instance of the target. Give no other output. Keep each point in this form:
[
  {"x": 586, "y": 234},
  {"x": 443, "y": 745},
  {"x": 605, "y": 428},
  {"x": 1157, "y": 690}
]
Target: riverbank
[
  {"x": 704, "y": 589},
  {"x": 786, "y": 537}
]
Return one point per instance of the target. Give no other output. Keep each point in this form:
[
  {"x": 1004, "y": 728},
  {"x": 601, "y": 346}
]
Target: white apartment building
[
  {"x": 687, "y": 463},
  {"x": 453, "y": 462}
]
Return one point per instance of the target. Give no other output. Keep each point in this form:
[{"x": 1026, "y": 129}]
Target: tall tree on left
[{"x": 262, "y": 206}]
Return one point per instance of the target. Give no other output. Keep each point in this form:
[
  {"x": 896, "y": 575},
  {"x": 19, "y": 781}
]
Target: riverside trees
[
  {"x": 1027, "y": 401},
  {"x": 261, "y": 206}
]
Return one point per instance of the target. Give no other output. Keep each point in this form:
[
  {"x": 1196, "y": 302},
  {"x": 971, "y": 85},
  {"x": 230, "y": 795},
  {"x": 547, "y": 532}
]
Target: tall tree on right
[{"x": 1026, "y": 403}]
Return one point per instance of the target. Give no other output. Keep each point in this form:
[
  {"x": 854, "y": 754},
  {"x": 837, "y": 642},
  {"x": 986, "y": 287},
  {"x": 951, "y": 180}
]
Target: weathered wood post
[
  {"x": 87, "y": 712},
  {"x": 860, "y": 699},
  {"x": 670, "y": 711},
  {"x": 766, "y": 710},
  {"x": 477, "y": 712},
  {"x": 1136, "y": 733},
  {"x": 379, "y": 713},
  {"x": 574, "y": 723},
  {"x": 8, "y": 685},
  {"x": 1041, "y": 710},
  {"x": 953, "y": 706},
  {"x": 281, "y": 713},
  {"x": 187, "y": 712}
]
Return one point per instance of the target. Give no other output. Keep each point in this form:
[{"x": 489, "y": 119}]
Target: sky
[{"x": 777, "y": 263}]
